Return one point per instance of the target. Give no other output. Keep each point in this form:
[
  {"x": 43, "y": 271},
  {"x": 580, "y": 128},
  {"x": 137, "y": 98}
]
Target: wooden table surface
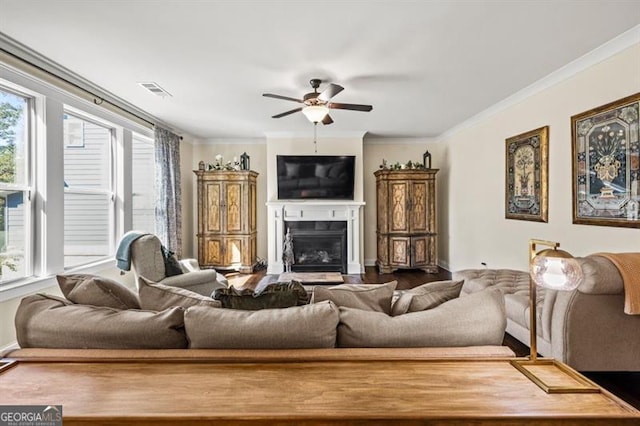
[{"x": 435, "y": 392}]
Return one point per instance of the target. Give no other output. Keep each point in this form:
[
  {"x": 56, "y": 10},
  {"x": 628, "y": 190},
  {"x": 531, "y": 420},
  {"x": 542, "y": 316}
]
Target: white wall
[{"x": 475, "y": 225}]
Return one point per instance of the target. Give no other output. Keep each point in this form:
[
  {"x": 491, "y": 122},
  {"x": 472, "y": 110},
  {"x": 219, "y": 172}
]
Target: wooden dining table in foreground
[{"x": 346, "y": 392}]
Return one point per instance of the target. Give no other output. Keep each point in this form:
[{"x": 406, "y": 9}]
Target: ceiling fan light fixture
[{"x": 315, "y": 113}]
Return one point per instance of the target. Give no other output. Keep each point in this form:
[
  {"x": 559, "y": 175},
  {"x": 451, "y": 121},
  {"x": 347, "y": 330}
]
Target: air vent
[{"x": 154, "y": 88}]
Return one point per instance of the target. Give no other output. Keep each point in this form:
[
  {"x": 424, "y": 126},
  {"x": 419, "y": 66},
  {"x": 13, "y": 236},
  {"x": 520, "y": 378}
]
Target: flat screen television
[{"x": 315, "y": 177}]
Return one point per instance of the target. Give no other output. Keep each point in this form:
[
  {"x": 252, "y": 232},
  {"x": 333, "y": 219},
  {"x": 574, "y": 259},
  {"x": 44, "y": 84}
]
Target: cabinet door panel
[
  {"x": 419, "y": 213},
  {"x": 233, "y": 207},
  {"x": 398, "y": 206},
  {"x": 212, "y": 214},
  {"x": 400, "y": 251},
  {"x": 213, "y": 252},
  {"x": 420, "y": 251},
  {"x": 233, "y": 251}
]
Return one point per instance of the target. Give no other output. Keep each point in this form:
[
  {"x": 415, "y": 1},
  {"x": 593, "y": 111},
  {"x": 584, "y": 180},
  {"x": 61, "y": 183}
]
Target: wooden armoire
[
  {"x": 406, "y": 223},
  {"x": 227, "y": 219}
]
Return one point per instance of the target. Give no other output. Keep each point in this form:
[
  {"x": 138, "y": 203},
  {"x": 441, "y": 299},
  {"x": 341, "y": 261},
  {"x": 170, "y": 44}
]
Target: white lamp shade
[
  {"x": 556, "y": 269},
  {"x": 315, "y": 113}
]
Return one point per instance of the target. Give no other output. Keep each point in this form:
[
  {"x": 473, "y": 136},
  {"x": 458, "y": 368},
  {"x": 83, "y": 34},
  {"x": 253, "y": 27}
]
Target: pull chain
[{"x": 315, "y": 137}]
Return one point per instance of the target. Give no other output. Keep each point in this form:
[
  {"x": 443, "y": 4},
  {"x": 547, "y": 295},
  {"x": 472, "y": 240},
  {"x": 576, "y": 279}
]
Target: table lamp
[{"x": 557, "y": 270}]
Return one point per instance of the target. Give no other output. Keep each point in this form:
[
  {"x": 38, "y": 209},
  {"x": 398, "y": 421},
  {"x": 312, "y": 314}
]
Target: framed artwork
[
  {"x": 606, "y": 164},
  {"x": 526, "y": 188}
]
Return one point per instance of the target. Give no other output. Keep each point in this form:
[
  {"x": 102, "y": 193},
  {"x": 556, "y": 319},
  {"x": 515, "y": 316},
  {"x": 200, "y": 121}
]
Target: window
[
  {"x": 66, "y": 190},
  {"x": 88, "y": 196},
  {"x": 15, "y": 217},
  {"x": 143, "y": 177}
]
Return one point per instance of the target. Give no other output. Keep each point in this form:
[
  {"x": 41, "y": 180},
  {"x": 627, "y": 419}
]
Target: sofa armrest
[
  {"x": 601, "y": 276},
  {"x": 591, "y": 332}
]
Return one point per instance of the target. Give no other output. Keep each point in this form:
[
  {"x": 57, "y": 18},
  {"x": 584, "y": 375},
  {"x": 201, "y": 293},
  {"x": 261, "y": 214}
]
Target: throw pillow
[
  {"x": 171, "y": 264},
  {"x": 158, "y": 297},
  {"x": 369, "y": 297},
  {"x": 307, "y": 326},
  {"x": 43, "y": 321},
  {"x": 426, "y": 296},
  {"x": 87, "y": 289},
  {"x": 277, "y": 295},
  {"x": 475, "y": 320}
]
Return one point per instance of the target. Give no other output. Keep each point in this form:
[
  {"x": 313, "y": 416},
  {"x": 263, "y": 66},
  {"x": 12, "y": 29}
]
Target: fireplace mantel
[{"x": 280, "y": 212}]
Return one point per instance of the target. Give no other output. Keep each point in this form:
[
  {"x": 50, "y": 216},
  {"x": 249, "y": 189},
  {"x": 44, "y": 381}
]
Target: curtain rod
[{"x": 49, "y": 77}]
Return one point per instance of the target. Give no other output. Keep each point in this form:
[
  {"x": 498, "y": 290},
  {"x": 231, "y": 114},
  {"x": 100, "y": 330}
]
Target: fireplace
[
  {"x": 318, "y": 246},
  {"x": 295, "y": 214}
]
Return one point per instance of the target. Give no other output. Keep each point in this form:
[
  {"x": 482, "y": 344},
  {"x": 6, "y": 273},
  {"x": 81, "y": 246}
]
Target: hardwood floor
[
  {"x": 406, "y": 278},
  {"x": 626, "y": 385}
]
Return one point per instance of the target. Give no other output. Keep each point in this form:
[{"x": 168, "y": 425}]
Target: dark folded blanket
[{"x": 277, "y": 295}]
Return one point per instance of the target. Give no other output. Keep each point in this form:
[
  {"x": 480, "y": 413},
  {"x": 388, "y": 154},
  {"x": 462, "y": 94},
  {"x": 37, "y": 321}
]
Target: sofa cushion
[
  {"x": 426, "y": 296},
  {"x": 506, "y": 280},
  {"x": 370, "y": 297},
  {"x": 45, "y": 321},
  {"x": 307, "y": 326},
  {"x": 88, "y": 289},
  {"x": 158, "y": 297},
  {"x": 276, "y": 295},
  {"x": 478, "y": 319}
]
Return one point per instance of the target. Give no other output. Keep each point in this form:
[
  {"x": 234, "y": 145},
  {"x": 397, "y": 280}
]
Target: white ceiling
[{"x": 425, "y": 66}]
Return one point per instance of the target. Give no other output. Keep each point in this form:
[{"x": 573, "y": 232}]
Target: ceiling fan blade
[
  {"x": 286, "y": 98},
  {"x": 330, "y": 91},
  {"x": 282, "y": 114},
  {"x": 327, "y": 120},
  {"x": 352, "y": 107}
]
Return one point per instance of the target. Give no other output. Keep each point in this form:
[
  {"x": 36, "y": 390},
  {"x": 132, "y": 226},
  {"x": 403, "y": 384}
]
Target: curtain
[{"x": 167, "y": 181}]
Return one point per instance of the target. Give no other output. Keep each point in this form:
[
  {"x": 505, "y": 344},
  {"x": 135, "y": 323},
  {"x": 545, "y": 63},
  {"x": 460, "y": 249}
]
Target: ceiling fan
[{"x": 316, "y": 105}]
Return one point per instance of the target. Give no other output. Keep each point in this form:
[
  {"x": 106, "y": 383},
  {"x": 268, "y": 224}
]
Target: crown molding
[
  {"x": 399, "y": 141},
  {"x": 614, "y": 46},
  {"x": 229, "y": 141}
]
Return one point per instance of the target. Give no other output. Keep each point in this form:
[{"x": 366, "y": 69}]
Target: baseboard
[{"x": 444, "y": 265}]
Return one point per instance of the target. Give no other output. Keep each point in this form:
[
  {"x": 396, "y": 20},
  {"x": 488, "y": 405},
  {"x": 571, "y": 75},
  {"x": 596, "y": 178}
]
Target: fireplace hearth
[{"x": 318, "y": 246}]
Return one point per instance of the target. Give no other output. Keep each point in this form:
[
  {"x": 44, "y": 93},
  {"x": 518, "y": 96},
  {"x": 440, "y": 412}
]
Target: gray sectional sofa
[
  {"x": 98, "y": 313},
  {"x": 585, "y": 328}
]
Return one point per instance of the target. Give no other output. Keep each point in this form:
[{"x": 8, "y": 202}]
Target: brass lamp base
[{"x": 584, "y": 385}]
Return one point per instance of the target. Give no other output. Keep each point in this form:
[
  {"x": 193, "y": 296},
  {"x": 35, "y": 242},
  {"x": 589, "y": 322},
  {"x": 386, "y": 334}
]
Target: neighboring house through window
[
  {"x": 74, "y": 177},
  {"x": 15, "y": 217},
  {"x": 88, "y": 193}
]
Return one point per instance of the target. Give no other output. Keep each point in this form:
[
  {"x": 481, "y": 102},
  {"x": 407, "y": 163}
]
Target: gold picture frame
[
  {"x": 605, "y": 154},
  {"x": 526, "y": 175}
]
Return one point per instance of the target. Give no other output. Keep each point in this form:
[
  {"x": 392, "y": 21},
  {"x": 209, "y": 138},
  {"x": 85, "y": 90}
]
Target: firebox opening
[{"x": 318, "y": 246}]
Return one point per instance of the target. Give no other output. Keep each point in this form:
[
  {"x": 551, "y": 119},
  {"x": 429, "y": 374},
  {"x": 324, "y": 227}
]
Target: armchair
[{"x": 148, "y": 262}]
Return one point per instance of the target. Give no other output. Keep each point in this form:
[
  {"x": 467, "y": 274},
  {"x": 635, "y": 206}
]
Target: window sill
[{"x": 34, "y": 284}]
